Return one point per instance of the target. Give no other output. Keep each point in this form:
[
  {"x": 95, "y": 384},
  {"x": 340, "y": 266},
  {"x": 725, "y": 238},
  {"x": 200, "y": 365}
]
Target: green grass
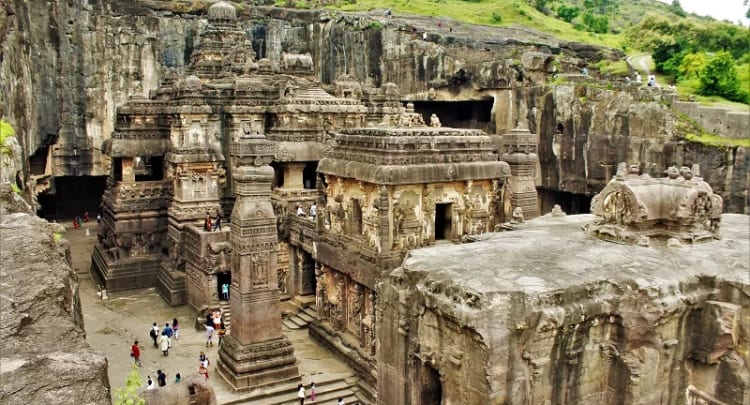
[
  {"x": 691, "y": 86},
  {"x": 613, "y": 68},
  {"x": 717, "y": 141},
  {"x": 505, "y": 13}
]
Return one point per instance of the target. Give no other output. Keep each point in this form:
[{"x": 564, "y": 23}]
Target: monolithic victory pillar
[{"x": 255, "y": 352}]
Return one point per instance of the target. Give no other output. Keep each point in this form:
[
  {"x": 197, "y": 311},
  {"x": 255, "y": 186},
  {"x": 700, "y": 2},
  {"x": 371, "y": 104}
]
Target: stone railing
[
  {"x": 302, "y": 231},
  {"x": 137, "y": 196}
]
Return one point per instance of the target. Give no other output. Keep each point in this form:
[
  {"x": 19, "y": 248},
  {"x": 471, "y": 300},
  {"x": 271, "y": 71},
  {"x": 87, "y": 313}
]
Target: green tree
[
  {"x": 676, "y": 8},
  {"x": 568, "y": 13},
  {"x": 129, "y": 394},
  {"x": 6, "y": 131},
  {"x": 692, "y": 64},
  {"x": 719, "y": 78}
]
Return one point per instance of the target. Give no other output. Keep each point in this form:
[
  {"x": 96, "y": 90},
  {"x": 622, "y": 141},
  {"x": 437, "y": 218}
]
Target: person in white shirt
[
  {"x": 300, "y": 211},
  {"x": 301, "y": 394},
  {"x": 313, "y": 210}
]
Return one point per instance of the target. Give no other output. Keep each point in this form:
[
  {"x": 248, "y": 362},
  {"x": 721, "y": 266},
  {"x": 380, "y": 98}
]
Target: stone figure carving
[
  {"x": 517, "y": 216},
  {"x": 435, "y": 121},
  {"x": 557, "y": 211},
  {"x": 281, "y": 276}
]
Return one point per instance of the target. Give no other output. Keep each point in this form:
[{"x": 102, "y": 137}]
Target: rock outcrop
[
  {"x": 44, "y": 358},
  {"x": 568, "y": 319}
]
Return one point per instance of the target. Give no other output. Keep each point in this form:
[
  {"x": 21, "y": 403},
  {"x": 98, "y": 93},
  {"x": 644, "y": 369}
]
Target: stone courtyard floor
[{"x": 114, "y": 323}]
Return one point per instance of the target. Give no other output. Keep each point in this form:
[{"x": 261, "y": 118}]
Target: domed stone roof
[{"x": 222, "y": 11}]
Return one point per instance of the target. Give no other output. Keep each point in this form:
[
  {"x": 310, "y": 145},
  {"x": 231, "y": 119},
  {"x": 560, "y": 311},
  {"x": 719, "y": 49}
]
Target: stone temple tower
[
  {"x": 519, "y": 150},
  {"x": 256, "y": 352}
]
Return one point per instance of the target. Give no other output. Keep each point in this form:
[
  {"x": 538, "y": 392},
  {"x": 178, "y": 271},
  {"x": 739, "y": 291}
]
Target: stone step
[
  {"x": 311, "y": 312},
  {"x": 329, "y": 387},
  {"x": 305, "y": 317},
  {"x": 289, "y": 324},
  {"x": 298, "y": 321}
]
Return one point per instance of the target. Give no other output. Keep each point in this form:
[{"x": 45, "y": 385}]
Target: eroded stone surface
[
  {"x": 547, "y": 313},
  {"x": 45, "y": 358}
]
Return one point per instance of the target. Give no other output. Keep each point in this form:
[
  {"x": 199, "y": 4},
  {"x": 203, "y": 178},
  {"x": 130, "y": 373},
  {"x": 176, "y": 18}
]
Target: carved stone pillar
[
  {"x": 256, "y": 352},
  {"x": 520, "y": 153}
]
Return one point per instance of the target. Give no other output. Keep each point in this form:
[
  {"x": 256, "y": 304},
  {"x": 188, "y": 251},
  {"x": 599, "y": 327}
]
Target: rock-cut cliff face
[
  {"x": 67, "y": 66},
  {"x": 44, "y": 355},
  {"x": 585, "y": 132}
]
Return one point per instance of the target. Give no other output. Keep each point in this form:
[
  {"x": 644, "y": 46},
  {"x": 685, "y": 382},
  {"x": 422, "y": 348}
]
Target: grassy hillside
[{"x": 539, "y": 14}]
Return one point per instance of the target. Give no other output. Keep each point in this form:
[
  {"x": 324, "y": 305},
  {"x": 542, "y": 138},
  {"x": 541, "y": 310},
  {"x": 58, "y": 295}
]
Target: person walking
[
  {"x": 169, "y": 332},
  {"x": 177, "y": 378},
  {"x": 209, "y": 335},
  {"x": 301, "y": 394},
  {"x": 312, "y": 392},
  {"x": 340, "y": 401},
  {"x": 203, "y": 365},
  {"x": 135, "y": 352},
  {"x": 150, "y": 383},
  {"x": 164, "y": 343},
  {"x": 161, "y": 377},
  {"x": 176, "y": 329},
  {"x": 217, "y": 225},
  {"x": 154, "y": 333}
]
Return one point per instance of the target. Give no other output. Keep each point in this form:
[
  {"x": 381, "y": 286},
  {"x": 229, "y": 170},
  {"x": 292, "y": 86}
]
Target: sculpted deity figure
[{"x": 435, "y": 121}]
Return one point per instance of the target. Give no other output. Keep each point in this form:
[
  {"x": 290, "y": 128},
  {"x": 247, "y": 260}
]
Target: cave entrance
[
  {"x": 474, "y": 114},
  {"x": 443, "y": 213},
  {"x": 431, "y": 389},
  {"x": 309, "y": 175},
  {"x": 571, "y": 203},
  {"x": 72, "y": 195}
]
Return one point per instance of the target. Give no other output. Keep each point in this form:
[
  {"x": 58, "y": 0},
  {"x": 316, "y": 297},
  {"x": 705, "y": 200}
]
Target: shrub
[
  {"x": 568, "y": 13},
  {"x": 496, "y": 18},
  {"x": 719, "y": 77}
]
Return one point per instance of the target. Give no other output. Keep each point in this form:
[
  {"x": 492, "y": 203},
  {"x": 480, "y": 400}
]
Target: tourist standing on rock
[
  {"x": 164, "y": 342},
  {"x": 169, "y": 332},
  {"x": 135, "y": 351},
  {"x": 207, "y": 222},
  {"x": 177, "y": 378},
  {"x": 149, "y": 383},
  {"x": 225, "y": 291},
  {"x": 312, "y": 392},
  {"x": 217, "y": 225},
  {"x": 176, "y": 329},
  {"x": 340, "y": 402},
  {"x": 301, "y": 394},
  {"x": 154, "y": 333}
]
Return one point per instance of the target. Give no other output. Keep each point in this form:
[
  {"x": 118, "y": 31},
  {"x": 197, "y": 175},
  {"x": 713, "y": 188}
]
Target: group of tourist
[
  {"x": 212, "y": 225},
  {"x": 214, "y": 323},
  {"x": 163, "y": 338},
  {"x": 161, "y": 378},
  {"x": 80, "y": 219},
  {"x": 313, "y": 211}
]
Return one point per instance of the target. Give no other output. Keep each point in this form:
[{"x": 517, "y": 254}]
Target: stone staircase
[
  {"x": 226, "y": 314},
  {"x": 300, "y": 319},
  {"x": 329, "y": 388}
]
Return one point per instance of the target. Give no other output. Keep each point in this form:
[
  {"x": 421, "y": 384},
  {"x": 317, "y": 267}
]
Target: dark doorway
[
  {"x": 149, "y": 168},
  {"x": 356, "y": 223},
  {"x": 309, "y": 175},
  {"x": 278, "y": 174},
  {"x": 443, "y": 213},
  {"x": 431, "y": 392},
  {"x": 223, "y": 279},
  {"x": 476, "y": 114},
  {"x": 571, "y": 203},
  {"x": 71, "y": 196}
]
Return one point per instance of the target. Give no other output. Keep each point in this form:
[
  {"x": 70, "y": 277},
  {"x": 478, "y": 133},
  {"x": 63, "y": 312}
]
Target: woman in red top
[{"x": 135, "y": 351}]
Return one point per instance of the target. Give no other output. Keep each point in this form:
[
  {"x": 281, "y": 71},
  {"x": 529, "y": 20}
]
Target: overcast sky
[{"x": 731, "y": 10}]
